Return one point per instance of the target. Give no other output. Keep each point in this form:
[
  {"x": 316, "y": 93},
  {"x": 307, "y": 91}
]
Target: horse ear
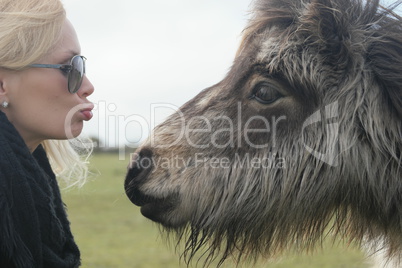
[
  {"x": 325, "y": 14},
  {"x": 324, "y": 21},
  {"x": 385, "y": 55},
  {"x": 385, "y": 59}
]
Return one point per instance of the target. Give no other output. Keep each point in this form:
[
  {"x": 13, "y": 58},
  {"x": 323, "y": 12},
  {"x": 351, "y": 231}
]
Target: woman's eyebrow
[{"x": 69, "y": 55}]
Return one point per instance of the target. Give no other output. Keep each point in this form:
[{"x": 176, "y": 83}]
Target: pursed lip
[{"x": 87, "y": 111}]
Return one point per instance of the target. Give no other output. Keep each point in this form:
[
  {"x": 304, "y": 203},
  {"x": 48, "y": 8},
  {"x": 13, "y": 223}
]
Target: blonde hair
[
  {"x": 69, "y": 159},
  {"x": 29, "y": 30}
]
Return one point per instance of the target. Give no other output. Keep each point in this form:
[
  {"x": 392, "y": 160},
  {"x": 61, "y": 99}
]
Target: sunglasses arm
[{"x": 64, "y": 67}]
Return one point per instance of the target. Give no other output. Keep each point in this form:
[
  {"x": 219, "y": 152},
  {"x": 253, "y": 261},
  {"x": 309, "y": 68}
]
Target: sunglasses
[{"x": 75, "y": 71}]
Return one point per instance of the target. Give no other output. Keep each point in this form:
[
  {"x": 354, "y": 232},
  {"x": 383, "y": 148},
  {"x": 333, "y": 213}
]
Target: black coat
[{"x": 34, "y": 230}]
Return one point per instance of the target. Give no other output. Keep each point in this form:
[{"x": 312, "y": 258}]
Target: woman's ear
[
  {"x": 3, "y": 75},
  {"x": 2, "y": 90},
  {"x": 4, "y": 102}
]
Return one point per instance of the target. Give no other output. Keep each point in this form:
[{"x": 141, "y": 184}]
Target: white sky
[{"x": 146, "y": 52}]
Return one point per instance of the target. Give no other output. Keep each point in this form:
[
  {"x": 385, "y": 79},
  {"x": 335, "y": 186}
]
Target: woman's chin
[{"x": 74, "y": 131}]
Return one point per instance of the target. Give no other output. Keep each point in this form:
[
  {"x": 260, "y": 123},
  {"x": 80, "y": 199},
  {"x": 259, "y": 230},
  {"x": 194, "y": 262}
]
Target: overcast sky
[{"x": 144, "y": 54}]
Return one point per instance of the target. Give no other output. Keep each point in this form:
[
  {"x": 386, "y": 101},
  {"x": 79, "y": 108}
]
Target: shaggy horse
[{"x": 301, "y": 138}]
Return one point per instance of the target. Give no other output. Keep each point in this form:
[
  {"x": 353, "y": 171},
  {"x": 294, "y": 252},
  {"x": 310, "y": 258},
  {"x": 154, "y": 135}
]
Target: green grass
[{"x": 112, "y": 233}]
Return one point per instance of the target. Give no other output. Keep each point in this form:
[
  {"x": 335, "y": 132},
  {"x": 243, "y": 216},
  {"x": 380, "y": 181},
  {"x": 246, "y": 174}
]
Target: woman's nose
[{"x": 86, "y": 88}]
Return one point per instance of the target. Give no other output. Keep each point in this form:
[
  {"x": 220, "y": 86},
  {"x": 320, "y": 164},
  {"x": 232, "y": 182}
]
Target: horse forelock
[{"x": 348, "y": 37}]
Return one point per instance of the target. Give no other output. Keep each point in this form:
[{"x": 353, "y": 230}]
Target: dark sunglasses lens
[{"x": 76, "y": 74}]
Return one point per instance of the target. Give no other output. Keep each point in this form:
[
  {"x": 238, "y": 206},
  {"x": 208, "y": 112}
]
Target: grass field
[{"x": 112, "y": 233}]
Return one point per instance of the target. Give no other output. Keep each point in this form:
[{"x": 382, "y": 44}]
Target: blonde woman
[{"x": 43, "y": 103}]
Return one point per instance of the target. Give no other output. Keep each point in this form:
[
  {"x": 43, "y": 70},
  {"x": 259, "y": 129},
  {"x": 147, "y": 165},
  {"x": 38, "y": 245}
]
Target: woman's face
[{"x": 40, "y": 105}]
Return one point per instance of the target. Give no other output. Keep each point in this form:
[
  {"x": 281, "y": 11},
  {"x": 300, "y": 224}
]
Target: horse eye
[{"x": 266, "y": 94}]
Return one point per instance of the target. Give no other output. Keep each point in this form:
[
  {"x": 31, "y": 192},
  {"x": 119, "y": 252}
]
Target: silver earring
[{"x": 4, "y": 104}]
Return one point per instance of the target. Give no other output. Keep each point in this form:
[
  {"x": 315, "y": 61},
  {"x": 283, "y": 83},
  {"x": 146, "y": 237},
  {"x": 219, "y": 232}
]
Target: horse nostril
[
  {"x": 140, "y": 166},
  {"x": 140, "y": 163}
]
